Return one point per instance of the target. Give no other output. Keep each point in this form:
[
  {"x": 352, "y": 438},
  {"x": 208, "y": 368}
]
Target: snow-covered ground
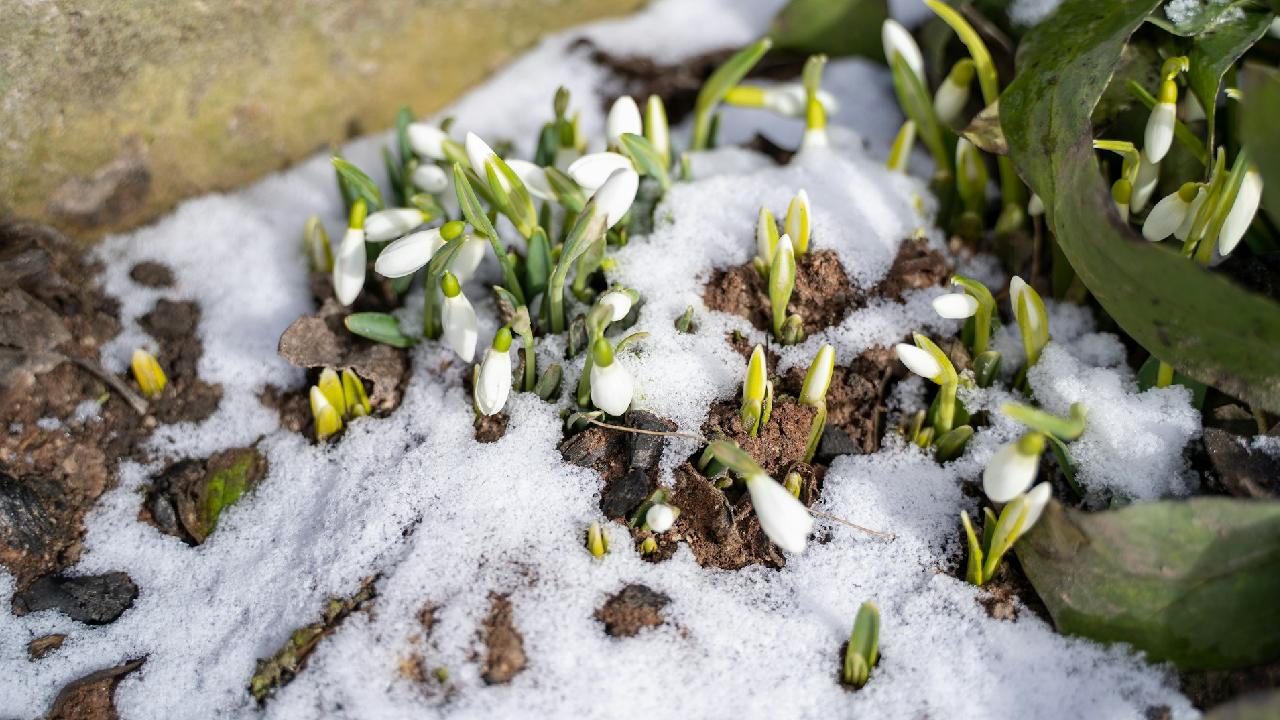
[{"x": 445, "y": 521}]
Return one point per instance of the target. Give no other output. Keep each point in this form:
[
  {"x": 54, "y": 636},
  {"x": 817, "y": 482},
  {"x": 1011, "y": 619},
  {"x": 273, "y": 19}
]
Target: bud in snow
[
  {"x": 624, "y": 117},
  {"x": 919, "y": 361},
  {"x": 955, "y": 306},
  {"x": 591, "y": 171},
  {"x": 611, "y": 384},
  {"x": 478, "y": 154},
  {"x": 146, "y": 370},
  {"x": 327, "y": 418},
  {"x": 766, "y": 235},
  {"x": 1013, "y": 468},
  {"x": 619, "y": 302},
  {"x": 798, "y": 222},
  {"x": 782, "y": 517},
  {"x": 617, "y": 193},
  {"x": 392, "y": 223},
  {"x": 1170, "y": 213},
  {"x": 818, "y": 378},
  {"x": 1019, "y": 293},
  {"x": 534, "y": 179},
  {"x": 1241, "y": 214},
  {"x": 430, "y": 179},
  {"x": 656, "y": 130},
  {"x": 1145, "y": 184},
  {"x": 898, "y": 41},
  {"x": 349, "y": 266},
  {"x": 660, "y": 517},
  {"x": 427, "y": 140},
  {"x": 493, "y": 383},
  {"x": 458, "y": 319},
  {"x": 953, "y": 93},
  {"x": 1159, "y": 135}
]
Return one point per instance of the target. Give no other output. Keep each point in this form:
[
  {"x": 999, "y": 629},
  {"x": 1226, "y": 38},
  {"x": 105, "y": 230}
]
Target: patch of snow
[
  {"x": 48, "y": 423},
  {"x": 86, "y": 411}
]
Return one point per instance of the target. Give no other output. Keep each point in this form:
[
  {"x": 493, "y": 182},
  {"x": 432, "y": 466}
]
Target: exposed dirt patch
[
  {"x": 632, "y": 609},
  {"x": 627, "y": 462},
  {"x": 1239, "y": 469},
  {"x": 823, "y": 295},
  {"x": 780, "y": 443},
  {"x": 504, "y": 656},
  {"x": 915, "y": 267},
  {"x": 491, "y": 428},
  {"x": 186, "y": 398},
  {"x": 92, "y": 697},
  {"x": 187, "y": 497},
  {"x": 855, "y": 400},
  {"x": 1208, "y": 688}
]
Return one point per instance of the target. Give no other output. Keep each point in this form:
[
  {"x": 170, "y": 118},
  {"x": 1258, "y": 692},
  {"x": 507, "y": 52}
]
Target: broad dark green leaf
[
  {"x": 1218, "y": 49},
  {"x": 1259, "y": 110},
  {"x": 358, "y": 184},
  {"x": 1194, "y": 582},
  {"x": 1199, "y": 322},
  {"x": 378, "y": 327},
  {"x": 834, "y": 27},
  {"x": 1206, "y": 17}
]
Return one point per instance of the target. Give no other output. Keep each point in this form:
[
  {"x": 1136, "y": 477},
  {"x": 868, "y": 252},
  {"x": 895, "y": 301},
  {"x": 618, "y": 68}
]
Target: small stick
[
  {"x": 138, "y": 404},
  {"x": 855, "y": 526},
  {"x": 624, "y": 428}
]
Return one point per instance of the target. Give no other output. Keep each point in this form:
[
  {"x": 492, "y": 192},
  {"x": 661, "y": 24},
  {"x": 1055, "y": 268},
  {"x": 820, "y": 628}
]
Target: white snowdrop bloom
[
  {"x": 478, "y": 152},
  {"x": 1012, "y": 469},
  {"x": 458, "y": 319},
  {"x": 617, "y": 193},
  {"x": 392, "y": 223},
  {"x": 534, "y": 178},
  {"x": 955, "y": 306},
  {"x": 427, "y": 140},
  {"x": 1145, "y": 184},
  {"x": 953, "y": 94},
  {"x": 1035, "y": 206},
  {"x": 611, "y": 385},
  {"x": 1185, "y": 228},
  {"x": 1159, "y": 135},
  {"x": 624, "y": 117},
  {"x": 406, "y": 255},
  {"x": 493, "y": 383},
  {"x": 591, "y": 171},
  {"x": 919, "y": 361},
  {"x": 349, "y": 266},
  {"x": 660, "y": 517},
  {"x": 1018, "y": 289},
  {"x": 467, "y": 261},
  {"x": 430, "y": 178},
  {"x": 1241, "y": 213},
  {"x": 619, "y": 302},
  {"x": 1036, "y": 498},
  {"x": 896, "y": 39},
  {"x": 782, "y": 517},
  {"x": 791, "y": 99},
  {"x": 1170, "y": 213}
]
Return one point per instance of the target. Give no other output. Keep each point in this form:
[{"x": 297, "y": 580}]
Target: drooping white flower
[
  {"x": 617, "y": 193},
  {"x": 619, "y": 302},
  {"x": 660, "y": 517},
  {"x": 427, "y": 140},
  {"x": 458, "y": 319},
  {"x": 391, "y": 223},
  {"x": 430, "y": 178},
  {"x": 782, "y": 517},
  {"x": 591, "y": 171},
  {"x": 1241, "y": 213},
  {"x": 1036, "y": 498},
  {"x": 1145, "y": 184},
  {"x": 406, "y": 255},
  {"x": 953, "y": 94},
  {"x": 467, "y": 261},
  {"x": 1159, "y": 134},
  {"x": 1013, "y": 468},
  {"x": 1170, "y": 213},
  {"x": 478, "y": 152},
  {"x": 611, "y": 385},
  {"x": 896, "y": 39},
  {"x": 1185, "y": 228},
  {"x": 493, "y": 382},
  {"x": 955, "y": 306},
  {"x": 624, "y": 117},
  {"x": 791, "y": 100},
  {"x": 919, "y": 361},
  {"x": 534, "y": 179},
  {"x": 349, "y": 266}
]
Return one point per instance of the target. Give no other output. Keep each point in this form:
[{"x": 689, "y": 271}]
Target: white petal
[
  {"x": 459, "y": 321},
  {"x": 918, "y": 361},
  {"x": 1037, "y": 498},
  {"x": 611, "y": 387},
  {"x": 1018, "y": 293},
  {"x": 430, "y": 178},
  {"x": 494, "y": 383},
  {"x": 1165, "y": 218},
  {"x": 349, "y": 267},
  {"x": 782, "y": 517},
  {"x": 1159, "y": 134},
  {"x": 591, "y": 171},
  {"x": 896, "y": 39},
  {"x": 468, "y": 258},
  {"x": 818, "y": 378},
  {"x": 385, "y": 225},
  {"x": 624, "y": 117},
  {"x": 406, "y": 255},
  {"x": 785, "y": 251},
  {"x": 786, "y": 99},
  {"x": 1148, "y": 176},
  {"x": 1009, "y": 473},
  {"x": 955, "y": 306},
  {"x": 616, "y": 194},
  {"x": 619, "y": 301},
  {"x": 660, "y": 517},
  {"x": 1035, "y": 206},
  {"x": 427, "y": 140},
  {"x": 478, "y": 152},
  {"x": 950, "y": 100},
  {"x": 1185, "y": 228},
  {"x": 534, "y": 178},
  {"x": 1241, "y": 214}
]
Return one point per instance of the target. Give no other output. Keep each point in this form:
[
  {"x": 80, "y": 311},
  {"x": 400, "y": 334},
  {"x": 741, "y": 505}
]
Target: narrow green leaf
[
  {"x": 646, "y": 159},
  {"x": 403, "y": 119},
  {"x": 475, "y": 215},
  {"x": 378, "y": 327},
  {"x": 567, "y": 191},
  {"x": 358, "y": 184},
  {"x": 918, "y": 106},
  {"x": 716, "y": 86},
  {"x": 537, "y": 266}
]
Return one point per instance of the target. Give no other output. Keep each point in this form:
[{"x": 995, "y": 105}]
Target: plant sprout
[
  {"x": 782, "y": 281},
  {"x": 656, "y": 130},
  {"x": 863, "y": 650},
  {"x": 903, "y": 143},
  {"x": 147, "y": 372},
  {"x": 757, "y": 393},
  {"x": 797, "y": 222},
  {"x": 335, "y": 398},
  {"x": 928, "y": 361},
  {"x": 766, "y": 241},
  {"x": 1000, "y": 533},
  {"x": 814, "y": 394},
  {"x": 597, "y": 541},
  {"x": 1033, "y": 320},
  {"x": 315, "y": 243},
  {"x": 953, "y": 94}
]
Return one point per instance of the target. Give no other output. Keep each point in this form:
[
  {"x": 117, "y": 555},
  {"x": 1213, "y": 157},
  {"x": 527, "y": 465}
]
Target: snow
[{"x": 412, "y": 500}]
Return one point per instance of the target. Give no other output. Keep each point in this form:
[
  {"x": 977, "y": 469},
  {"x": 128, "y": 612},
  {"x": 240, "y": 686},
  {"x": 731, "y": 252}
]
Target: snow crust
[{"x": 443, "y": 521}]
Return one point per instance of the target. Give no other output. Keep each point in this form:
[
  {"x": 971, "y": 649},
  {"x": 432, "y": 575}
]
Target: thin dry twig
[
  {"x": 855, "y": 526},
  {"x": 667, "y": 433},
  {"x": 137, "y": 403}
]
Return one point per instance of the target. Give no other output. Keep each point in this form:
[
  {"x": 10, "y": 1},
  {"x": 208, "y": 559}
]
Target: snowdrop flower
[
  {"x": 534, "y": 179},
  {"x": 611, "y": 384},
  {"x": 766, "y": 236},
  {"x": 782, "y": 517},
  {"x": 458, "y": 318},
  {"x": 1020, "y": 293},
  {"x": 1145, "y": 184},
  {"x": 1013, "y": 468},
  {"x": 427, "y": 140},
  {"x": 617, "y": 193},
  {"x": 1159, "y": 133},
  {"x": 1170, "y": 213},
  {"x": 660, "y": 517},
  {"x": 898, "y": 41},
  {"x": 818, "y": 378},
  {"x": 591, "y": 171},
  {"x": 953, "y": 93},
  {"x": 790, "y": 99},
  {"x": 385, "y": 225},
  {"x": 624, "y": 117},
  {"x": 656, "y": 129},
  {"x": 1185, "y": 228},
  {"x": 349, "y": 266},
  {"x": 146, "y": 370},
  {"x": 782, "y": 281},
  {"x": 1036, "y": 498},
  {"x": 493, "y": 382},
  {"x": 430, "y": 179},
  {"x": 619, "y": 302},
  {"x": 479, "y": 154},
  {"x": 921, "y": 362},
  {"x": 467, "y": 261},
  {"x": 1241, "y": 213},
  {"x": 955, "y": 306},
  {"x": 757, "y": 403}
]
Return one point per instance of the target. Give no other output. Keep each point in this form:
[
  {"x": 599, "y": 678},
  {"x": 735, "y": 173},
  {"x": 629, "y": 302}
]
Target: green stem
[
  {"x": 1164, "y": 374},
  {"x": 946, "y": 407}
]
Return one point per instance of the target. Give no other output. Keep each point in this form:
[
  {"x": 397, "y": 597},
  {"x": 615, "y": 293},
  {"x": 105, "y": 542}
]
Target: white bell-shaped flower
[
  {"x": 349, "y": 266},
  {"x": 1013, "y": 468},
  {"x": 1159, "y": 134},
  {"x": 458, "y": 319},
  {"x": 660, "y": 517},
  {"x": 427, "y": 140},
  {"x": 791, "y": 100},
  {"x": 1185, "y": 228},
  {"x": 1036, "y": 498},
  {"x": 897, "y": 40},
  {"x": 1170, "y": 213},
  {"x": 955, "y": 306},
  {"x": 406, "y": 255},
  {"x": 919, "y": 361},
  {"x": 1018, "y": 293},
  {"x": 624, "y": 117},
  {"x": 392, "y": 223},
  {"x": 493, "y": 382},
  {"x": 534, "y": 179},
  {"x": 478, "y": 152},
  {"x": 1145, "y": 184},
  {"x": 782, "y": 517},
  {"x": 611, "y": 385},
  {"x": 469, "y": 256},
  {"x": 1241, "y": 214},
  {"x": 591, "y": 171},
  {"x": 430, "y": 178},
  {"x": 619, "y": 302},
  {"x": 617, "y": 193}
]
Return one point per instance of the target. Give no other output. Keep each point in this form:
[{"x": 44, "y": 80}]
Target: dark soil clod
[
  {"x": 187, "y": 398},
  {"x": 93, "y": 599},
  {"x": 491, "y": 428},
  {"x": 823, "y": 295},
  {"x": 631, "y": 610},
  {"x": 504, "y": 657},
  {"x": 1242, "y": 471},
  {"x": 152, "y": 274},
  {"x": 780, "y": 443},
  {"x": 92, "y": 697},
  {"x": 915, "y": 267},
  {"x": 855, "y": 401}
]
